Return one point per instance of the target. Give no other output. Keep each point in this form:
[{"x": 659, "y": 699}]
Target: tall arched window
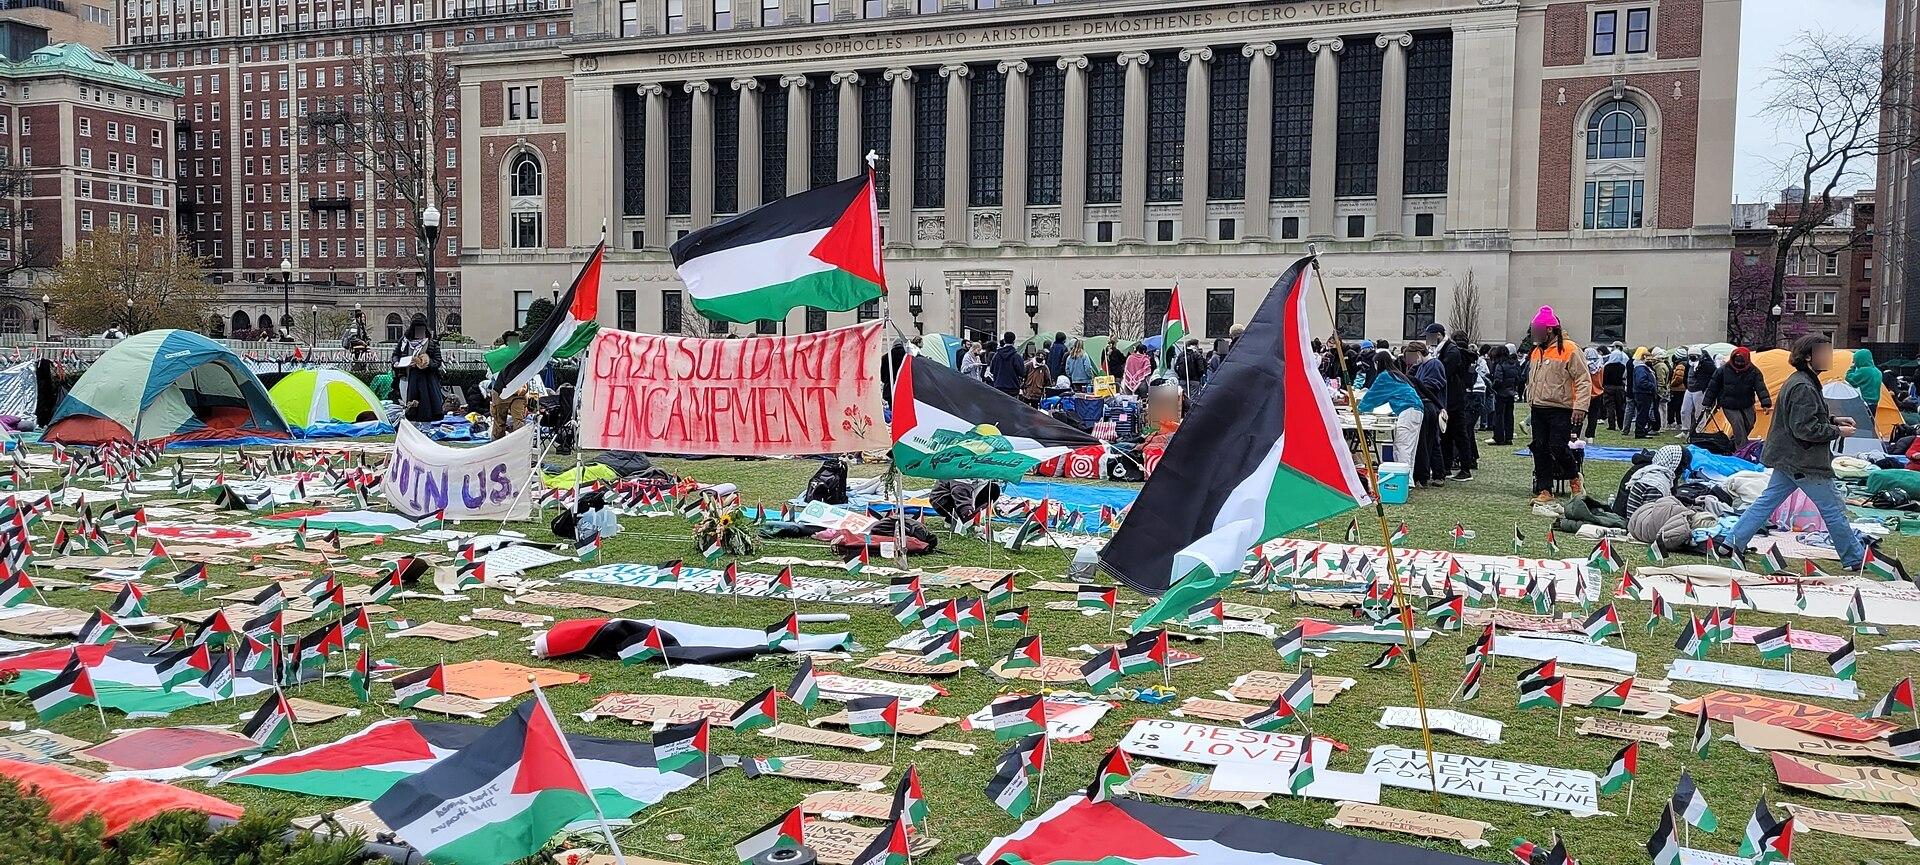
[
  {"x": 10, "y": 319},
  {"x": 241, "y": 322},
  {"x": 393, "y": 327},
  {"x": 527, "y": 203},
  {"x": 1614, "y": 195},
  {"x": 266, "y": 322}
]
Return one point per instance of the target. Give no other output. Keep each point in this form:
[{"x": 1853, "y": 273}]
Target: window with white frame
[{"x": 1614, "y": 192}]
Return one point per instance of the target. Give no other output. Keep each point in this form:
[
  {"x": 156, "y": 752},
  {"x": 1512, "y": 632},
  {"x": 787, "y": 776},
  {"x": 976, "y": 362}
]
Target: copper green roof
[{"x": 78, "y": 61}]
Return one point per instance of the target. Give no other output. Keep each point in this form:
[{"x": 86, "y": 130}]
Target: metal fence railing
[{"x": 261, "y": 355}]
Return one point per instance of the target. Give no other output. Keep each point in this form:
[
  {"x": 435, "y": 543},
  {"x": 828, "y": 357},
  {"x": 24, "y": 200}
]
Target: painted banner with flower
[{"x": 811, "y": 393}]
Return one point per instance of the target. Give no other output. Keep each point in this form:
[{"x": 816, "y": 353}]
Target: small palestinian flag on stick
[
  {"x": 1460, "y": 534},
  {"x": 1114, "y": 772},
  {"x": 1776, "y": 644},
  {"x": 1519, "y": 540},
  {"x": 1691, "y": 806},
  {"x": 1900, "y": 696},
  {"x": 1702, "y": 736},
  {"x": 1102, "y": 671},
  {"x": 1773, "y": 561},
  {"x": 1018, "y": 717},
  {"x": 1626, "y": 764},
  {"x": 1843, "y": 660},
  {"x": 1883, "y": 568},
  {"x": 787, "y": 832},
  {"x": 805, "y": 687},
  {"x": 1614, "y": 697},
  {"x": 1388, "y": 657},
  {"x": 1399, "y": 534},
  {"x": 1026, "y": 654},
  {"x": 68, "y": 690},
  {"x": 761, "y": 711},
  {"x": 270, "y": 723},
  {"x": 909, "y": 801},
  {"x": 410, "y": 689}
]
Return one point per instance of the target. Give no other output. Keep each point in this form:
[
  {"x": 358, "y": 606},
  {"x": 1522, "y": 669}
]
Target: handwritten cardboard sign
[
  {"x": 910, "y": 665},
  {"x": 911, "y": 723},
  {"x": 1640, "y": 701},
  {"x": 1610, "y": 727},
  {"x": 1728, "y": 705},
  {"x": 1572, "y": 790},
  {"x": 37, "y": 746},
  {"x": 1216, "y": 710},
  {"x": 570, "y": 600},
  {"x": 515, "y": 617},
  {"x": 1446, "y": 720},
  {"x": 1514, "y": 620},
  {"x": 1069, "y": 718},
  {"x": 841, "y": 843},
  {"x": 844, "y": 688},
  {"x": 1877, "y": 827},
  {"x": 1262, "y": 686},
  {"x": 1359, "y": 815},
  {"x": 1204, "y": 743},
  {"x": 810, "y": 393},
  {"x": 848, "y": 803},
  {"x": 863, "y": 775},
  {"x": 648, "y": 708},
  {"x": 816, "y": 736},
  {"x": 1170, "y": 783},
  {"x": 455, "y": 705},
  {"x": 1858, "y": 783},
  {"x": 445, "y": 632},
  {"x": 1755, "y": 736},
  {"x": 1052, "y": 670}
]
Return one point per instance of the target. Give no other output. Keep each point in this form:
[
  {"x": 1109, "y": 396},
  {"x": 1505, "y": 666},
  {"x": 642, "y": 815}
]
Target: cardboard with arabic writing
[
  {"x": 1875, "y": 827},
  {"x": 1857, "y": 783},
  {"x": 1727, "y": 705},
  {"x": 1359, "y": 815},
  {"x": 1167, "y": 782}
]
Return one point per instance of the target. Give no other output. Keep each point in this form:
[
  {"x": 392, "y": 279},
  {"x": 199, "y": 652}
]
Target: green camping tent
[
  {"x": 309, "y": 396},
  {"x": 166, "y": 385}
]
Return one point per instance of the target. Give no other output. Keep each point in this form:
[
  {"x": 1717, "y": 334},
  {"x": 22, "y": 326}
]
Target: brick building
[
  {"x": 268, "y": 92},
  {"x": 85, "y": 142},
  {"x": 1828, "y": 274},
  {"x": 1053, "y": 165}
]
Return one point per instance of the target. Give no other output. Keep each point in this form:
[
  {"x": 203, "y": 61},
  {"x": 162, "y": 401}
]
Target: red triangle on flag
[
  {"x": 853, "y": 243},
  {"x": 546, "y": 763}
]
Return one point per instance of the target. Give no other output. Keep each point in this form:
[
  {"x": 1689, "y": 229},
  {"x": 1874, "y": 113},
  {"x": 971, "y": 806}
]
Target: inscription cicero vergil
[{"x": 1026, "y": 33}]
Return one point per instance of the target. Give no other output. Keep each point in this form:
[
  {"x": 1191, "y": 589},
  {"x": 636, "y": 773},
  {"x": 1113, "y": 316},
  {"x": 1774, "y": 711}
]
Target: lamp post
[
  {"x": 46, "y": 318},
  {"x": 1033, "y": 306},
  {"x": 916, "y": 304},
  {"x": 313, "y": 314},
  {"x": 430, "y": 223},
  {"x": 286, "y": 292},
  {"x": 129, "y": 316},
  {"x": 359, "y": 322},
  {"x": 554, "y": 293}
]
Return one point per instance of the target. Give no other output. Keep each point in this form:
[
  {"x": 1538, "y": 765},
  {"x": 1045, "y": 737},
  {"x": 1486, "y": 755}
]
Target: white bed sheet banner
[
  {"x": 1573, "y": 790},
  {"x": 488, "y": 482}
]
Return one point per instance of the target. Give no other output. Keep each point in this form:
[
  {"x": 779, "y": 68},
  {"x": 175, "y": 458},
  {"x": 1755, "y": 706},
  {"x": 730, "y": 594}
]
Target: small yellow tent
[{"x": 1773, "y": 367}]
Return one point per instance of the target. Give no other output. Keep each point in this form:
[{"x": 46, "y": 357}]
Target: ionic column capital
[
  {"x": 1188, "y": 55},
  {"x": 746, "y": 84},
  {"x": 846, "y": 77},
  {"x": 1012, "y": 67},
  {"x": 898, "y": 74},
  {"x": 1134, "y": 57},
  {"x": 1256, "y": 48},
  {"x": 1074, "y": 62},
  {"x": 955, "y": 70},
  {"x": 1331, "y": 43},
  {"x": 1404, "y": 40},
  {"x": 654, "y": 89},
  {"x": 696, "y": 86},
  {"x": 793, "y": 81}
]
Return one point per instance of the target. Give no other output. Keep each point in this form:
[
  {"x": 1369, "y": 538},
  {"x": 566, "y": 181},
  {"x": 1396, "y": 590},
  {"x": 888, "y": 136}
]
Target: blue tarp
[
  {"x": 1603, "y": 453},
  {"x": 1080, "y": 497},
  {"x": 335, "y": 430},
  {"x": 1714, "y": 466}
]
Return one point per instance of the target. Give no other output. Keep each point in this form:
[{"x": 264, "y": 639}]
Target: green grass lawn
[{"x": 707, "y": 822}]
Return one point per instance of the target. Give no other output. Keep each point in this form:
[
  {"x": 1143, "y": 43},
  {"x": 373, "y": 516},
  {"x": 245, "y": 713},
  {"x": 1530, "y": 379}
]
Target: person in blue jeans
[{"x": 1799, "y": 451}]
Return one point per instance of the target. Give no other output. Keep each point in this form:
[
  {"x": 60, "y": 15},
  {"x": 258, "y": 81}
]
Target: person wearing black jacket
[
  {"x": 1007, "y": 370},
  {"x": 1505, "y": 378},
  {"x": 1735, "y": 388},
  {"x": 1613, "y": 383},
  {"x": 1455, "y": 442}
]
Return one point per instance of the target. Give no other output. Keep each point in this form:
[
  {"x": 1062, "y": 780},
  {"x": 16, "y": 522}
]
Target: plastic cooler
[{"x": 1394, "y": 480}]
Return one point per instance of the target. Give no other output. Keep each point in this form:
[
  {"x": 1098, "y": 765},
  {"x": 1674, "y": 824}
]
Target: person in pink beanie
[{"x": 1559, "y": 389}]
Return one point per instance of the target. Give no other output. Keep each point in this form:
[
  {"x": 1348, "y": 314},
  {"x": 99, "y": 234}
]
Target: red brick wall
[
  {"x": 493, "y": 103},
  {"x": 1677, "y": 121},
  {"x": 552, "y": 148},
  {"x": 553, "y": 99},
  {"x": 1566, "y": 37},
  {"x": 1676, "y": 31},
  {"x": 1677, "y": 28}
]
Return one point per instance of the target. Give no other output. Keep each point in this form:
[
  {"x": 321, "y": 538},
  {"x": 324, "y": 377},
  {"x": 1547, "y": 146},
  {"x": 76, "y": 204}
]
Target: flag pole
[
  {"x": 598, "y": 814},
  {"x": 1386, "y": 535},
  {"x": 292, "y": 723}
]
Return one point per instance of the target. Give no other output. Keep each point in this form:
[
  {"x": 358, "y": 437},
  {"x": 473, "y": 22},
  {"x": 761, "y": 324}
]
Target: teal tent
[{"x": 166, "y": 385}]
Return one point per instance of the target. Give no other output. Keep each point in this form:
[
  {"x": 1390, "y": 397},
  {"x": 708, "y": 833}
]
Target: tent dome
[
  {"x": 166, "y": 385},
  {"x": 313, "y": 396}
]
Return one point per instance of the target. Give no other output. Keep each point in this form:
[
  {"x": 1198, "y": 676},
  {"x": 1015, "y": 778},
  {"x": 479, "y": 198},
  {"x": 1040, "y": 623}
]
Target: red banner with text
[{"x": 813, "y": 393}]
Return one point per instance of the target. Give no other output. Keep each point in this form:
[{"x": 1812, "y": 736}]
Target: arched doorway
[{"x": 241, "y": 321}]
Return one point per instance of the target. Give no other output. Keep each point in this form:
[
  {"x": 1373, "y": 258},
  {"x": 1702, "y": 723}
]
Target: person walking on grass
[
  {"x": 1390, "y": 387},
  {"x": 1559, "y": 391},
  {"x": 1799, "y": 451},
  {"x": 1645, "y": 384},
  {"x": 1429, "y": 378},
  {"x": 1504, "y": 377},
  {"x": 1735, "y": 387}
]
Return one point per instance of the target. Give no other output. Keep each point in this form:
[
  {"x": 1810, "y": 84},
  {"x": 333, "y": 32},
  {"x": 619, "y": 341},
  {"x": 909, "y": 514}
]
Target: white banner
[
  {"x": 1572, "y": 790},
  {"x": 486, "y": 482},
  {"x": 1762, "y": 679}
]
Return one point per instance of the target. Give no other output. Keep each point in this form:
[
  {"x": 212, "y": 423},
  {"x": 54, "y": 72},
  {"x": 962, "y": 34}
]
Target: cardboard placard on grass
[
  {"x": 1167, "y": 782},
  {"x": 1262, "y": 686},
  {"x": 851, "y": 803},
  {"x": 1573, "y": 790},
  {"x": 1359, "y": 815},
  {"x": 1874, "y": 827},
  {"x": 862, "y": 775},
  {"x": 668, "y": 708},
  {"x": 1857, "y": 783},
  {"x": 1610, "y": 727},
  {"x": 573, "y": 600},
  {"x": 167, "y": 748},
  {"x": 1755, "y": 736},
  {"x": 840, "y": 843},
  {"x": 911, "y": 723},
  {"x": 37, "y": 746},
  {"x": 445, "y": 632},
  {"x": 1052, "y": 670},
  {"x": 813, "y": 736},
  {"x": 910, "y": 665},
  {"x": 1728, "y": 705}
]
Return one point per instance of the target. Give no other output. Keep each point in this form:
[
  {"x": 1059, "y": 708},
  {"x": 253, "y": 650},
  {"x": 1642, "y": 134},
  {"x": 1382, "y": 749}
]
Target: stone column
[
  {"x": 656, "y": 220},
  {"x": 701, "y": 153},
  {"x": 1390, "y": 176},
  {"x": 799, "y": 159},
  {"x": 847, "y": 157},
  {"x": 954, "y": 194},
  {"x": 1326, "y": 110},
  {"x": 900, "y": 160},
  {"x": 1073, "y": 157},
  {"x": 1259, "y": 191},
  {"x": 1193, "y": 180},
  {"x": 1013, "y": 155},
  {"x": 1133, "y": 149},
  {"x": 747, "y": 195}
]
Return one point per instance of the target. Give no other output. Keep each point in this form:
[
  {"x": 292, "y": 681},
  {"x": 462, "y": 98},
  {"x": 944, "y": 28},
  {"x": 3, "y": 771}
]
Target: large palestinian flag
[
  {"x": 367, "y": 764},
  {"x": 126, "y": 678},
  {"x": 685, "y": 643},
  {"x": 565, "y": 332},
  {"x": 1260, "y": 456},
  {"x": 499, "y": 799},
  {"x": 1076, "y": 831},
  {"x": 819, "y": 248},
  {"x": 946, "y": 425}
]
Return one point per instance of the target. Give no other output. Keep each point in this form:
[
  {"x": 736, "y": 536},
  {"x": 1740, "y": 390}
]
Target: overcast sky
[{"x": 1768, "y": 28}]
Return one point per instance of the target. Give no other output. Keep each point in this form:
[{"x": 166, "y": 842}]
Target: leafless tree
[
  {"x": 1127, "y": 313},
  {"x": 16, "y": 187},
  {"x": 1843, "y": 101},
  {"x": 392, "y": 127},
  {"x": 1463, "y": 315}
]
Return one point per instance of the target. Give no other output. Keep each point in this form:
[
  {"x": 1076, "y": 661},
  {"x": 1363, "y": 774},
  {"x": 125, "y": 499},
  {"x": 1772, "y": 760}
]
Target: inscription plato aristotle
[{"x": 1025, "y": 34}]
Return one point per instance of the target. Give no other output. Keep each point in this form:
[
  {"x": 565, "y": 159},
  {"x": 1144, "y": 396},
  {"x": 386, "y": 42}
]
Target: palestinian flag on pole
[
  {"x": 756, "y": 713},
  {"x": 1300, "y": 776},
  {"x": 1102, "y": 671},
  {"x": 819, "y": 248},
  {"x": 361, "y": 677},
  {"x": 1470, "y": 682},
  {"x": 1625, "y": 765},
  {"x": 873, "y": 716},
  {"x": 1605, "y": 558},
  {"x": 1144, "y": 652},
  {"x": 409, "y": 690},
  {"x": 1843, "y": 660},
  {"x": 1011, "y": 788},
  {"x": 909, "y": 801},
  {"x": 643, "y": 646},
  {"x": 1010, "y": 619},
  {"x": 1775, "y": 643},
  {"x": 1857, "y": 609},
  {"x": 192, "y": 580},
  {"x": 1614, "y": 697},
  {"x": 131, "y": 603},
  {"x": 784, "y": 631},
  {"x": 566, "y": 331},
  {"x": 1882, "y": 567},
  {"x": 1664, "y": 847},
  {"x": 805, "y": 687},
  {"x": 1702, "y": 735},
  {"x": 1260, "y": 457},
  {"x": 270, "y": 723},
  {"x": 1173, "y": 329},
  {"x": 1549, "y": 692},
  {"x": 789, "y": 831},
  {"x": 15, "y": 590},
  {"x": 942, "y": 650},
  {"x": 677, "y": 746},
  {"x": 1760, "y": 827},
  {"x": 1603, "y": 622},
  {"x": 1691, "y": 806},
  {"x": 1286, "y": 707},
  {"x": 516, "y": 785},
  {"x": 1773, "y": 561},
  {"x": 68, "y": 690},
  {"x": 946, "y": 426},
  {"x": 1900, "y": 696},
  {"x": 1018, "y": 717},
  {"x": 887, "y": 848},
  {"x": 1388, "y": 657},
  {"x": 1905, "y": 745},
  {"x": 1112, "y": 772},
  {"x": 1291, "y": 644},
  {"x": 184, "y": 666},
  {"x": 1027, "y": 654},
  {"x": 99, "y": 629}
]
